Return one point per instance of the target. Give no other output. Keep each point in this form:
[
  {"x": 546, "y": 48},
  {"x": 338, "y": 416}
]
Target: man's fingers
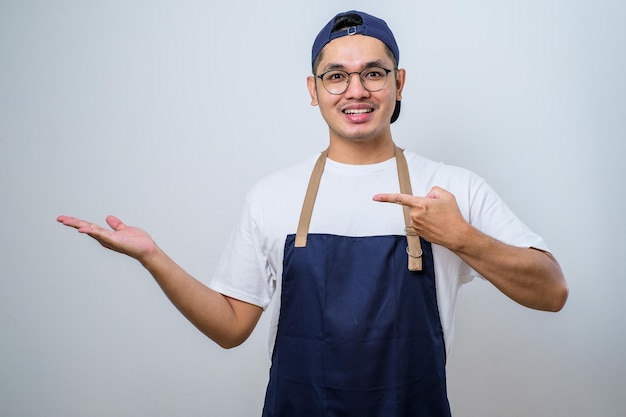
[
  {"x": 403, "y": 199},
  {"x": 83, "y": 226},
  {"x": 115, "y": 223},
  {"x": 66, "y": 220},
  {"x": 435, "y": 193},
  {"x": 391, "y": 198},
  {"x": 72, "y": 222}
]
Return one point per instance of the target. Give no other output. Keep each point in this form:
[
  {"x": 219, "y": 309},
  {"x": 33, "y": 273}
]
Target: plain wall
[{"x": 165, "y": 113}]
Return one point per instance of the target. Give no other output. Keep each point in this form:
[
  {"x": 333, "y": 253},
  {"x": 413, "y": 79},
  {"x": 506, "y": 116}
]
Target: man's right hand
[{"x": 122, "y": 238}]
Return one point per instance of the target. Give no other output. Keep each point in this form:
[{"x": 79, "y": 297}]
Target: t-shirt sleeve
[
  {"x": 243, "y": 271},
  {"x": 492, "y": 216}
]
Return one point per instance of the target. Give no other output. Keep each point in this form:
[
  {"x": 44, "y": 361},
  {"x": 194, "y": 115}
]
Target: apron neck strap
[
  {"x": 309, "y": 200},
  {"x": 414, "y": 249}
]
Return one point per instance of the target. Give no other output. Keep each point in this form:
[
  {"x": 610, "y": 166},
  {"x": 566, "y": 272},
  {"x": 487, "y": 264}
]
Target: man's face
[{"x": 357, "y": 114}]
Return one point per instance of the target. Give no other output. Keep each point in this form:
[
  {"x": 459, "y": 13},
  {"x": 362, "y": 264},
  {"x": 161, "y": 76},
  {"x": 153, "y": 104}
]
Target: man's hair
[{"x": 346, "y": 21}]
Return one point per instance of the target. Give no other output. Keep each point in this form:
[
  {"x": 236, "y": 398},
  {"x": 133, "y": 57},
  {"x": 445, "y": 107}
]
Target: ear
[
  {"x": 400, "y": 78},
  {"x": 310, "y": 84}
]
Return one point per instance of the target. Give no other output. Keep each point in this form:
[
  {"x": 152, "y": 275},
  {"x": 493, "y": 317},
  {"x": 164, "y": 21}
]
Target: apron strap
[
  {"x": 309, "y": 200},
  {"x": 414, "y": 248}
]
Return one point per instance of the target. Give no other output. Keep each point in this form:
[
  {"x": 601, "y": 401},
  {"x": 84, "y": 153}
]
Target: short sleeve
[{"x": 243, "y": 271}]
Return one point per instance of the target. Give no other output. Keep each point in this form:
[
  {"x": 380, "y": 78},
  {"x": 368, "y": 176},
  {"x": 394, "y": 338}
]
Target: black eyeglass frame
[{"x": 349, "y": 78}]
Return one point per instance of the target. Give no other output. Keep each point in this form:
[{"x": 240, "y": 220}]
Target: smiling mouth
[{"x": 357, "y": 111}]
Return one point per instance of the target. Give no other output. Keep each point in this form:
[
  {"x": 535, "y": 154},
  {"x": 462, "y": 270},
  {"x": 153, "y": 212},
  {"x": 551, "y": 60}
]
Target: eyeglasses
[{"x": 372, "y": 78}]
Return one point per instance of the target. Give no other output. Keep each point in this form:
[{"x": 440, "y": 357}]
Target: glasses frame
[{"x": 349, "y": 78}]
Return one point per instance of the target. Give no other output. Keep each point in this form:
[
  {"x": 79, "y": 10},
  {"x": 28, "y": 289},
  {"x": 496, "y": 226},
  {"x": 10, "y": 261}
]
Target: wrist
[
  {"x": 151, "y": 257},
  {"x": 466, "y": 238}
]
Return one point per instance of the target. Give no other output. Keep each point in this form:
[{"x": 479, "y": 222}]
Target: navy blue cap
[{"x": 371, "y": 26}]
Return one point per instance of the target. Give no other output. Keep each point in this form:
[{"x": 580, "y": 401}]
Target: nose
[{"x": 356, "y": 89}]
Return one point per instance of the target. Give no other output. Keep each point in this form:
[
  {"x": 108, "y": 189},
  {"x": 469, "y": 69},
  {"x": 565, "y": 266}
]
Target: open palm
[{"x": 122, "y": 238}]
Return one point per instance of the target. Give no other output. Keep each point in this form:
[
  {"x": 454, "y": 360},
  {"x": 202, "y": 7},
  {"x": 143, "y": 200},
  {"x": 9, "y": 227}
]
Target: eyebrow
[{"x": 336, "y": 66}]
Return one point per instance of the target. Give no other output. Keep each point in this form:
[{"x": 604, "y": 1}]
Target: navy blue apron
[{"x": 359, "y": 333}]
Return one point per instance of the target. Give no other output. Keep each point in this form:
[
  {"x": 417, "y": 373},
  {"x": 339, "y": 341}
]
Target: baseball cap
[{"x": 369, "y": 26}]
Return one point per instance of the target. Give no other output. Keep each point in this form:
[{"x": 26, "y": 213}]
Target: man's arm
[
  {"x": 225, "y": 320},
  {"x": 529, "y": 276}
]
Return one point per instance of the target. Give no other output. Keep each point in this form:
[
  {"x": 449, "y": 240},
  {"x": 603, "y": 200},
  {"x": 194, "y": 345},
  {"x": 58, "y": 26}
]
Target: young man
[{"x": 366, "y": 289}]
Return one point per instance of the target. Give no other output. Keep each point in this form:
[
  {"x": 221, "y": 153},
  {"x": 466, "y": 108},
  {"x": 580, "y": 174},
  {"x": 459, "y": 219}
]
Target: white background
[{"x": 165, "y": 113}]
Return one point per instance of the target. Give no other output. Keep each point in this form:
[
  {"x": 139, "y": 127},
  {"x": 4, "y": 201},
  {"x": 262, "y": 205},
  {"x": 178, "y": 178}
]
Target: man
[{"x": 366, "y": 289}]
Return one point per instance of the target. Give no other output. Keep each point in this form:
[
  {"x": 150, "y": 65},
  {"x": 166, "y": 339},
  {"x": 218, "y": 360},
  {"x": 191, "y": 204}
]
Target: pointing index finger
[{"x": 393, "y": 198}]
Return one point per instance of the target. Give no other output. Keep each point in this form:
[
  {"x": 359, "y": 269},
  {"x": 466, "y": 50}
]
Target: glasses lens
[
  {"x": 374, "y": 78},
  {"x": 336, "y": 82}
]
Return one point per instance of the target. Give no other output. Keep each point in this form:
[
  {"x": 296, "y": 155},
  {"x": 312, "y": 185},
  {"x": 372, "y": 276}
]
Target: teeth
[{"x": 357, "y": 111}]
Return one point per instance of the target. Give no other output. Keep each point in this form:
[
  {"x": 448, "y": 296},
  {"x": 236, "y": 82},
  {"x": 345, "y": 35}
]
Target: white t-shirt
[{"x": 251, "y": 266}]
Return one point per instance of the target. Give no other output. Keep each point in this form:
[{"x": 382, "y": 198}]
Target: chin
[{"x": 363, "y": 135}]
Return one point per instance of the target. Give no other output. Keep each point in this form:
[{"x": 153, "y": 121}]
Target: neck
[{"x": 361, "y": 152}]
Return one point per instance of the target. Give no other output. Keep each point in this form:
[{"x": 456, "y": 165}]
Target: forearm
[
  {"x": 529, "y": 276},
  {"x": 226, "y": 321}
]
